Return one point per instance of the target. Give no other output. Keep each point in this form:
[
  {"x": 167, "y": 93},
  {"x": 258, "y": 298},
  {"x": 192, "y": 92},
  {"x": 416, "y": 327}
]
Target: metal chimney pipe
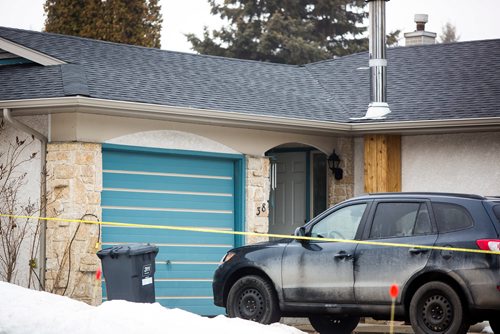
[{"x": 378, "y": 107}]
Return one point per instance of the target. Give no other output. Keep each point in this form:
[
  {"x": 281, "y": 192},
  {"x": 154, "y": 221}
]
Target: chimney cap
[{"x": 421, "y": 18}]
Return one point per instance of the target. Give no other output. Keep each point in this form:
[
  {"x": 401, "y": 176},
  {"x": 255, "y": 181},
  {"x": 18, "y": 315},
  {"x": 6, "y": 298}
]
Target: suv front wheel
[
  {"x": 253, "y": 298},
  {"x": 437, "y": 308}
]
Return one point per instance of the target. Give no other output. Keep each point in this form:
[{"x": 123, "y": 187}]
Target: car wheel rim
[
  {"x": 437, "y": 313},
  {"x": 251, "y": 305}
]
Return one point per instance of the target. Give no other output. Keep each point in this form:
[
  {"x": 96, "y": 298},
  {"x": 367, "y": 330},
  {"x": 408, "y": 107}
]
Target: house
[{"x": 146, "y": 136}]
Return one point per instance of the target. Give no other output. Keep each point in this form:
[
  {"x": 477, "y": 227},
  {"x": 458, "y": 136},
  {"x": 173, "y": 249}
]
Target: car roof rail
[{"x": 421, "y": 193}]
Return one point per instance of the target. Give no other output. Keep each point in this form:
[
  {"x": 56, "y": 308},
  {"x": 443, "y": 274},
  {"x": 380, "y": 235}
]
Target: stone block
[
  {"x": 253, "y": 163},
  {"x": 88, "y": 171},
  {"x": 64, "y": 172},
  {"x": 94, "y": 198},
  {"x": 257, "y": 172},
  {"x": 59, "y": 156},
  {"x": 85, "y": 158},
  {"x": 85, "y": 267}
]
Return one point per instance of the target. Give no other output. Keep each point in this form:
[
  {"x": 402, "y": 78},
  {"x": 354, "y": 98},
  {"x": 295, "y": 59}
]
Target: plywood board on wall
[{"x": 382, "y": 163}]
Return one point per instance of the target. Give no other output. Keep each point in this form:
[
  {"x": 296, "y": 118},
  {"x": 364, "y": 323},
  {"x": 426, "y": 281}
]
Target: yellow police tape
[{"x": 271, "y": 235}]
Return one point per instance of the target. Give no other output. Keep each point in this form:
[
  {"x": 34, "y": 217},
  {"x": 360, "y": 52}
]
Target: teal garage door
[{"x": 175, "y": 188}]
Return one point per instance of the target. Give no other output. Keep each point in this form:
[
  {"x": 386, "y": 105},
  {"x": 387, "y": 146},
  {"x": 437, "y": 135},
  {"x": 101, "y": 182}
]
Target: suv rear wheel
[
  {"x": 329, "y": 324},
  {"x": 253, "y": 298},
  {"x": 437, "y": 308}
]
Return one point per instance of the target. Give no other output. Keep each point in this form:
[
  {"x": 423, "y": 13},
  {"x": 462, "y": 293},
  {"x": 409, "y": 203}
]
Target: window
[
  {"x": 496, "y": 210},
  {"x": 340, "y": 224},
  {"x": 451, "y": 217},
  {"x": 400, "y": 220}
]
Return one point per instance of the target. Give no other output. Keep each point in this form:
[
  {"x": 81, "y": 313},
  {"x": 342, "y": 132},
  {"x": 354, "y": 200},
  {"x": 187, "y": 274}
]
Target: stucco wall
[
  {"x": 30, "y": 190},
  {"x": 464, "y": 163},
  {"x": 172, "y": 139},
  {"x": 99, "y": 129}
]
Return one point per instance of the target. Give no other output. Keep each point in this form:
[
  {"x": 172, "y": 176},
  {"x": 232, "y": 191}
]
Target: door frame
[{"x": 309, "y": 152}]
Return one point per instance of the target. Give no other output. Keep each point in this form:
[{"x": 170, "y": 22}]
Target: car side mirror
[{"x": 300, "y": 232}]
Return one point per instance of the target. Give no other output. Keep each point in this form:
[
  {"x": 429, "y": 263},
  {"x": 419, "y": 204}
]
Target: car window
[
  {"x": 340, "y": 224},
  {"x": 496, "y": 210},
  {"x": 400, "y": 220},
  {"x": 451, "y": 217}
]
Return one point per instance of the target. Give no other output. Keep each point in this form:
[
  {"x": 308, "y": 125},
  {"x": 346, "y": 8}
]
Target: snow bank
[{"x": 27, "y": 311}]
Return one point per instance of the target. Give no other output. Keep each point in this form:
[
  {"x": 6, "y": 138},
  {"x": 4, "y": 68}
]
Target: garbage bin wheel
[{"x": 253, "y": 298}]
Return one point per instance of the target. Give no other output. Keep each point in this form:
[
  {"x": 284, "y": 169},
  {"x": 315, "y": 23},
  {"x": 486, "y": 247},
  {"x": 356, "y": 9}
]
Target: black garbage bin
[{"x": 129, "y": 272}]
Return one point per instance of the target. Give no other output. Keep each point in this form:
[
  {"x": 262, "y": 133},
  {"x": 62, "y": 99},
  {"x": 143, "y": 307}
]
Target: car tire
[
  {"x": 253, "y": 298},
  {"x": 329, "y": 324},
  {"x": 437, "y": 308},
  {"x": 495, "y": 324}
]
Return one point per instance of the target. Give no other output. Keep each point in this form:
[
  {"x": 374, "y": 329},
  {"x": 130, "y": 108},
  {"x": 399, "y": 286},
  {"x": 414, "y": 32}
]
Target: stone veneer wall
[
  {"x": 340, "y": 190},
  {"x": 257, "y": 197},
  {"x": 74, "y": 187}
]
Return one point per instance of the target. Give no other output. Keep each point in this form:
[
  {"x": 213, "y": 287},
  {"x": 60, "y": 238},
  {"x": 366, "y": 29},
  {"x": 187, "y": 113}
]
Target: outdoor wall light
[{"x": 333, "y": 164}]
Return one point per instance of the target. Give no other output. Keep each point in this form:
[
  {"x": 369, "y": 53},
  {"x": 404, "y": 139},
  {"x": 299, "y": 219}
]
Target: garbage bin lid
[{"x": 128, "y": 249}]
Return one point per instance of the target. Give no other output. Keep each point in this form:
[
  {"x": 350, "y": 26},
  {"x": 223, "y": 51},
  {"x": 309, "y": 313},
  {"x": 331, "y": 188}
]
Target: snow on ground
[{"x": 28, "y": 311}]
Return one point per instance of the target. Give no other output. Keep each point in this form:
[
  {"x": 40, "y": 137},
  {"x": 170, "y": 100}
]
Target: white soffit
[{"x": 30, "y": 54}]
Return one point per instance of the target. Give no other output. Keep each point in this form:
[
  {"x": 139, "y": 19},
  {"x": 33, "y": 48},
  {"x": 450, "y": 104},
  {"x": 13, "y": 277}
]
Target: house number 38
[{"x": 261, "y": 209}]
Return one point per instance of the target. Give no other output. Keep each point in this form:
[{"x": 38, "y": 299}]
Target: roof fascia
[
  {"x": 204, "y": 116},
  {"x": 170, "y": 113},
  {"x": 428, "y": 126},
  {"x": 30, "y": 54}
]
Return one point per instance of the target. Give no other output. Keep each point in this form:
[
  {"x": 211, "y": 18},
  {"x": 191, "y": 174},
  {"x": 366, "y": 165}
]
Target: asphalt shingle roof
[{"x": 441, "y": 81}]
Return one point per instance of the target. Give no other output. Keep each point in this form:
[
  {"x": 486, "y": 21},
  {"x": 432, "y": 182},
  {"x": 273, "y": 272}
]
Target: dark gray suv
[{"x": 419, "y": 241}]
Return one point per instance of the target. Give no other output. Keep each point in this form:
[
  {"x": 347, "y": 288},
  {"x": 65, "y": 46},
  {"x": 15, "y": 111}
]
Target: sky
[
  {"x": 474, "y": 19},
  {"x": 24, "y": 311}
]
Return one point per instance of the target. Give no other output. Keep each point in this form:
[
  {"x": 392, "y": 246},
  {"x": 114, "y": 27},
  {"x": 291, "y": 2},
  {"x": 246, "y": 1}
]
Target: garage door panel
[
  {"x": 161, "y": 163},
  {"x": 141, "y": 235},
  {"x": 167, "y": 201},
  {"x": 199, "y": 306},
  {"x": 168, "y": 183},
  {"x": 170, "y": 218},
  {"x": 185, "y": 253},
  {"x": 190, "y": 253},
  {"x": 182, "y": 270},
  {"x": 187, "y": 288}
]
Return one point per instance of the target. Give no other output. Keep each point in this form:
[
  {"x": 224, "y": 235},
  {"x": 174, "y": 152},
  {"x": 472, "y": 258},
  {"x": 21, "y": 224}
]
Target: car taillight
[{"x": 489, "y": 244}]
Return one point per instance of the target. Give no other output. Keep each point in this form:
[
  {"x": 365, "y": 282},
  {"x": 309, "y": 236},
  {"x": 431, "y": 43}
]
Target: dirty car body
[{"x": 442, "y": 290}]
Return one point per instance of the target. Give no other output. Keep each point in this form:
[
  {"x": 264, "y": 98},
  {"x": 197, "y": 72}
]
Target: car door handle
[
  {"x": 417, "y": 251},
  {"x": 342, "y": 255}
]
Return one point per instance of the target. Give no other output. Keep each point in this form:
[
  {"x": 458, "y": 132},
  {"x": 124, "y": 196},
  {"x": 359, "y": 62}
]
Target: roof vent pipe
[{"x": 378, "y": 107}]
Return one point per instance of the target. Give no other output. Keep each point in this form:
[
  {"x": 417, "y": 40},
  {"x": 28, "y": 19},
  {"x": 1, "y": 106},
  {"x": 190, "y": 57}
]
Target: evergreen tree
[
  {"x": 135, "y": 22},
  {"x": 449, "y": 34},
  {"x": 392, "y": 39},
  {"x": 285, "y": 31}
]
